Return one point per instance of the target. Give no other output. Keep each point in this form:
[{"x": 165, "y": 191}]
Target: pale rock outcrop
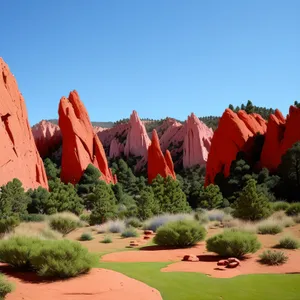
[
  {"x": 137, "y": 141},
  {"x": 47, "y": 137},
  {"x": 197, "y": 141}
]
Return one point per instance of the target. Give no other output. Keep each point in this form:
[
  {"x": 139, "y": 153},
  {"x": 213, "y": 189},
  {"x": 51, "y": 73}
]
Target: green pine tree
[{"x": 211, "y": 197}]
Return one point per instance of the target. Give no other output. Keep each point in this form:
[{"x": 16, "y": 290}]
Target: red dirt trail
[{"x": 99, "y": 284}]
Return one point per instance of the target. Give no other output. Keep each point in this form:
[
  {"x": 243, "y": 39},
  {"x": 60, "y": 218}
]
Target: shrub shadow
[{"x": 28, "y": 276}]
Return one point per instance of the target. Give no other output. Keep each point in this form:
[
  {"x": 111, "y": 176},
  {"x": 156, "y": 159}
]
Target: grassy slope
[{"x": 195, "y": 286}]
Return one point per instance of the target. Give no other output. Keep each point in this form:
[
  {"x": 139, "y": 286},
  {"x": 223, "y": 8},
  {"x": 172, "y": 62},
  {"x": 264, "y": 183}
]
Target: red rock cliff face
[
  {"x": 47, "y": 137},
  {"x": 197, "y": 141},
  {"x": 157, "y": 163},
  {"x": 19, "y": 157},
  {"x": 81, "y": 145},
  {"x": 230, "y": 137},
  {"x": 281, "y": 135}
]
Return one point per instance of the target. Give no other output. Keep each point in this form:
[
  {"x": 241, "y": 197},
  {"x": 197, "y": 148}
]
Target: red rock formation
[
  {"x": 47, "y": 137},
  {"x": 197, "y": 141},
  {"x": 230, "y": 137},
  {"x": 19, "y": 157},
  {"x": 281, "y": 135},
  {"x": 81, "y": 146},
  {"x": 137, "y": 141},
  {"x": 169, "y": 162},
  {"x": 157, "y": 163}
]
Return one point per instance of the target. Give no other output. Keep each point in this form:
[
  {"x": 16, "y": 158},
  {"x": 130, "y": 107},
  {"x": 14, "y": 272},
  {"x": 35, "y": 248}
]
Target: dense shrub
[
  {"x": 5, "y": 287},
  {"x": 62, "y": 259},
  {"x": 107, "y": 240},
  {"x": 30, "y": 229},
  {"x": 64, "y": 222},
  {"x": 7, "y": 224},
  {"x": 17, "y": 251},
  {"x": 280, "y": 205},
  {"x": 157, "y": 221},
  {"x": 85, "y": 218},
  {"x": 182, "y": 233},
  {"x": 282, "y": 219},
  {"x": 269, "y": 227},
  {"x": 129, "y": 232},
  {"x": 271, "y": 258},
  {"x": 288, "y": 242},
  {"x": 133, "y": 222},
  {"x": 296, "y": 219},
  {"x": 86, "y": 236},
  {"x": 32, "y": 218},
  {"x": 233, "y": 243},
  {"x": 114, "y": 226},
  {"x": 216, "y": 215},
  {"x": 293, "y": 210}
]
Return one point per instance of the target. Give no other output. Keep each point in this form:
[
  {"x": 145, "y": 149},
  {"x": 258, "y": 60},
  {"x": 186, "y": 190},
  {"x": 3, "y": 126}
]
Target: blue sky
[{"x": 160, "y": 57}]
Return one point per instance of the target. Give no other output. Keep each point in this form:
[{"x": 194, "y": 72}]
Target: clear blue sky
[{"x": 159, "y": 57}]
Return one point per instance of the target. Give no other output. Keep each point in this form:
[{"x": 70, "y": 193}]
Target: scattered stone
[
  {"x": 233, "y": 262},
  {"x": 148, "y": 232},
  {"x": 133, "y": 244},
  {"x": 147, "y": 237},
  {"x": 190, "y": 257},
  {"x": 223, "y": 262}
]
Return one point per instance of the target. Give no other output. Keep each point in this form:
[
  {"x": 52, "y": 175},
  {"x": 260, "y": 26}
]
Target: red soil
[
  {"x": 208, "y": 261},
  {"x": 99, "y": 284}
]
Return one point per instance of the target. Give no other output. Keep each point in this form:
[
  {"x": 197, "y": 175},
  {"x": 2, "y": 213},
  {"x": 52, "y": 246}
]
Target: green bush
[
  {"x": 233, "y": 243},
  {"x": 62, "y": 259},
  {"x": 86, "y": 236},
  {"x": 7, "y": 224},
  {"x": 293, "y": 210},
  {"x": 85, "y": 218},
  {"x": 64, "y": 222},
  {"x": 17, "y": 251},
  {"x": 107, "y": 240},
  {"x": 272, "y": 258},
  {"x": 269, "y": 228},
  {"x": 5, "y": 287},
  {"x": 33, "y": 218},
  {"x": 288, "y": 242},
  {"x": 133, "y": 222},
  {"x": 280, "y": 205},
  {"x": 182, "y": 233},
  {"x": 129, "y": 232}
]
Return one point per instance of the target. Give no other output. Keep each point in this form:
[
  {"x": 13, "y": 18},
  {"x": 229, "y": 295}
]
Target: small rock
[
  {"x": 190, "y": 257},
  {"x": 233, "y": 259},
  {"x": 232, "y": 265},
  {"x": 146, "y": 237},
  {"x": 223, "y": 262},
  {"x": 148, "y": 232}
]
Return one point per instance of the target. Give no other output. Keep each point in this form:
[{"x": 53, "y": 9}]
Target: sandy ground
[
  {"x": 208, "y": 261},
  {"x": 99, "y": 284}
]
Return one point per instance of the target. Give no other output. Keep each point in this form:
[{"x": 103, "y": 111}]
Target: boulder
[
  {"x": 47, "y": 137},
  {"x": 197, "y": 141},
  {"x": 231, "y": 136},
  {"x": 81, "y": 146},
  {"x": 223, "y": 262},
  {"x": 191, "y": 257},
  {"x": 19, "y": 156},
  {"x": 148, "y": 232},
  {"x": 157, "y": 163}
]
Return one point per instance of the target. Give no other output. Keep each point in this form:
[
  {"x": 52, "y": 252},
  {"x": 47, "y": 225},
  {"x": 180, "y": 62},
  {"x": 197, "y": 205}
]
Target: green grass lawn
[{"x": 196, "y": 286}]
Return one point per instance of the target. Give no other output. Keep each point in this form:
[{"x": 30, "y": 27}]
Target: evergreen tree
[
  {"x": 102, "y": 202},
  {"x": 63, "y": 197},
  {"x": 147, "y": 204},
  {"x": 51, "y": 169},
  {"x": 249, "y": 107},
  {"x": 13, "y": 199},
  {"x": 89, "y": 179},
  {"x": 39, "y": 199},
  {"x": 211, "y": 197},
  {"x": 252, "y": 205}
]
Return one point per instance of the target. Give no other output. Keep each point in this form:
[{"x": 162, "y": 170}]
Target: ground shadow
[
  {"x": 27, "y": 276},
  {"x": 157, "y": 248}
]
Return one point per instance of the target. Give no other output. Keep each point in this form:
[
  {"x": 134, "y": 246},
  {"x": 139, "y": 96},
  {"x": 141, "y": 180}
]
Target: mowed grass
[{"x": 195, "y": 286}]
